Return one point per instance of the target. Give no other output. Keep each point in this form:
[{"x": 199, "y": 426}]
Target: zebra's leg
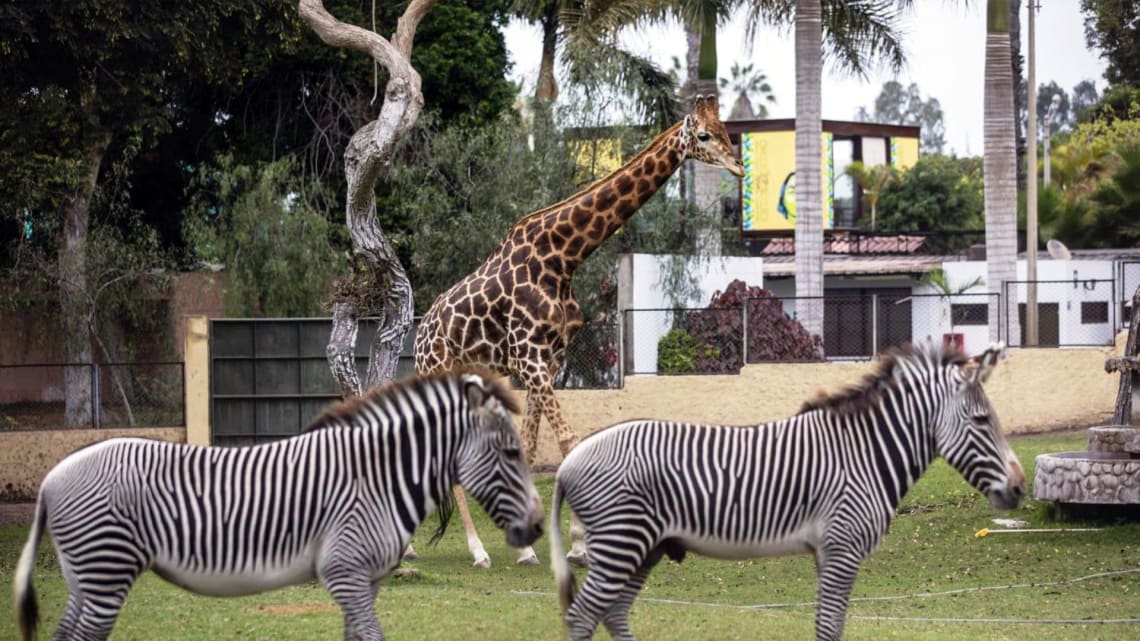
[
  {"x": 66, "y": 627},
  {"x": 617, "y": 619},
  {"x": 474, "y": 544},
  {"x": 95, "y": 612},
  {"x": 355, "y": 592},
  {"x": 837, "y": 571}
]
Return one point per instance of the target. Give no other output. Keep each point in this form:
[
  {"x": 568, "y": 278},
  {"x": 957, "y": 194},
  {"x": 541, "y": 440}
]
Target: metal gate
[{"x": 269, "y": 378}]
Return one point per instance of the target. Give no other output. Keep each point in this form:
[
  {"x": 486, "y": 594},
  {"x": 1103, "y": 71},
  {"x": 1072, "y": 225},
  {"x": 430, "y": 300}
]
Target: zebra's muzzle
[{"x": 522, "y": 535}]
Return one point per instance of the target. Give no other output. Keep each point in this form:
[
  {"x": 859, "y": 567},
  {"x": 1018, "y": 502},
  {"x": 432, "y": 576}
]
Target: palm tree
[
  {"x": 872, "y": 180},
  {"x": 746, "y": 82},
  {"x": 1000, "y": 170},
  {"x": 855, "y": 33}
]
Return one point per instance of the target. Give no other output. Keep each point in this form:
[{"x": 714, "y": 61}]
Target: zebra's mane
[
  {"x": 867, "y": 393},
  {"x": 346, "y": 411}
]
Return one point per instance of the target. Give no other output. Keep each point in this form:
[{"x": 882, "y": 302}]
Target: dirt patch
[
  {"x": 301, "y": 608},
  {"x": 16, "y": 513}
]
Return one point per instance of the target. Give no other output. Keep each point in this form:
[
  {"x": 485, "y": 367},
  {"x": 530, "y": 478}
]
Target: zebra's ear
[
  {"x": 982, "y": 365},
  {"x": 476, "y": 391}
]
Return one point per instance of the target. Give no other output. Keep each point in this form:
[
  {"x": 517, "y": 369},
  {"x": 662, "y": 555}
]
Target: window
[
  {"x": 1094, "y": 312},
  {"x": 970, "y": 314}
]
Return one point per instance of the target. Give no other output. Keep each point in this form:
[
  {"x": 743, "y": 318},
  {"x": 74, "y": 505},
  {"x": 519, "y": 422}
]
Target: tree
[
  {"x": 897, "y": 105},
  {"x": 256, "y": 221},
  {"x": 937, "y": 193},
  {"x": 378, "y": 280},
  {"x": 744, "y": 83},
  {"x": 1111, "y": 27},
  {"x": 1084, "y": 97},
  {"x": 85, "y": 85},
  {"x": 872, "y": 181},
  {"x": 1000, "y": 168}
]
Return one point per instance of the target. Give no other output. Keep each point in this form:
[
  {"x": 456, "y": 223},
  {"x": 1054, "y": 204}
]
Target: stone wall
[{"x": 26, "y": 457}]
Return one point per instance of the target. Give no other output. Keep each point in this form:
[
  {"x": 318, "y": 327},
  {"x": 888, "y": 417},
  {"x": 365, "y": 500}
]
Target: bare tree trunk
[
  {"x": 809, "y": 131},
  {"x": 74, "y": 302},
  {"x": 378, "y": 281},
  {"x": 999, "y": 167}
]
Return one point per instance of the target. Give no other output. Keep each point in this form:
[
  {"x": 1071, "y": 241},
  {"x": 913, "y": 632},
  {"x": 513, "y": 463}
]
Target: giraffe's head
[{"x": 704, "y": 137}]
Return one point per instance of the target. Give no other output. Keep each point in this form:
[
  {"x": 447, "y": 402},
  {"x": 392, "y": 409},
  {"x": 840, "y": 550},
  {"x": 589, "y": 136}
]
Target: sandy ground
[{"x": 16, "y": 513}]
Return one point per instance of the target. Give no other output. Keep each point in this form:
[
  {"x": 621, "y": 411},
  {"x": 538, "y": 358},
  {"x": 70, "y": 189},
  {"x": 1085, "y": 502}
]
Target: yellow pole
[{"x": 197, "y": 385}]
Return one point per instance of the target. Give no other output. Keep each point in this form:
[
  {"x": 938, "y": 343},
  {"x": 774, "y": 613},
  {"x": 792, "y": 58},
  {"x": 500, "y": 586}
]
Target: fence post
[
  {"x": 196, "y": 386},
  {"x": 874, "y": 324},
  {"x": 744, "y": 342}
]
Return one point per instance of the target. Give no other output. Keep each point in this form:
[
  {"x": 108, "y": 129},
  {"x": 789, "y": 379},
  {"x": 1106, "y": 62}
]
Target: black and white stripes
[
  {"x": 825, "y": 481},
  {"x": 338, "y": 502}
]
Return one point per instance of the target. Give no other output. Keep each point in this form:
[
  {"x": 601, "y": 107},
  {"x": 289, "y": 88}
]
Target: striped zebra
[
  {"x": 337, "y": 503},
  {"x": 826, "y": 481}
]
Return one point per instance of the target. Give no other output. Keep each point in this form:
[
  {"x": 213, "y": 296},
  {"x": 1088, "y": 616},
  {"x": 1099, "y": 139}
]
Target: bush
[
  {"x": 676, "y": 352},
  {"x": 717, "y": 333}
]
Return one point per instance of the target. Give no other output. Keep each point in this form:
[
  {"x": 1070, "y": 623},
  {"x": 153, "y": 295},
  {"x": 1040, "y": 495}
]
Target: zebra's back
[
  {"x": 217, "y": 521},
  {"x": 724, "y": 491}
]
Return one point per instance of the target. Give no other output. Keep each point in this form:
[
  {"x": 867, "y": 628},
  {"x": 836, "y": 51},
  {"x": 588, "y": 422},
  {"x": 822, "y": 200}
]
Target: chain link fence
[{"x": 142, "y": 394}]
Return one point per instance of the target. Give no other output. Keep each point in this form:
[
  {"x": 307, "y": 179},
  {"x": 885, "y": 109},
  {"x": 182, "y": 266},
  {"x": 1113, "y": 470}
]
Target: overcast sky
[{"x": 945, "y": 52}]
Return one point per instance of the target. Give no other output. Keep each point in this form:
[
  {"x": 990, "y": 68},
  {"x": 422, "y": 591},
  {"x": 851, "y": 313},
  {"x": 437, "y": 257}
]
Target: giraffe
[{"x": 516, "y": 313}]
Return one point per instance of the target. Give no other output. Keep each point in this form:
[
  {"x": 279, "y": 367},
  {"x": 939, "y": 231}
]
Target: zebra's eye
[
  {"x": 980, "y": 419},
  {"x": 511, "y": 453},
  {"x": 703, "y": 136}
]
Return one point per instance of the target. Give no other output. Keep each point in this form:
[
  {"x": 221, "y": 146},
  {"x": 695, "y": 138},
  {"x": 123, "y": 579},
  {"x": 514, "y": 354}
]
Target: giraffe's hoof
[
  {"x": 579, "y": 559},
  {"x": 483, "y": 563},
  {"x": 531, "y": 559}
]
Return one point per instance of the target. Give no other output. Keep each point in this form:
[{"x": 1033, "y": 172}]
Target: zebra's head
[
  {"x": 968, "y": 434},
  {"x": 491, "y": 466}
]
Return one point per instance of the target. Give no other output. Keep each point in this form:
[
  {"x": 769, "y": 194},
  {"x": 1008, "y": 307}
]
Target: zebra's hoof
[
  {"x": 579, "y": 559},
  {"x": 529, "y": 560},
  {"x": 411, "y": 555},
  {"x": 482, "y": 564}
]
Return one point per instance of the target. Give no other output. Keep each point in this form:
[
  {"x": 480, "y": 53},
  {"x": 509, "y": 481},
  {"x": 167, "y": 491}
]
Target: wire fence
[
  {"x": 107, "y": 395},
  {"x": 859, "y": 324}
]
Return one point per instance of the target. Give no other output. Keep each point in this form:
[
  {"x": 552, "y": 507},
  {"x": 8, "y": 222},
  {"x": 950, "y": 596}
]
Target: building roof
[{"x": 847, "y": 265}]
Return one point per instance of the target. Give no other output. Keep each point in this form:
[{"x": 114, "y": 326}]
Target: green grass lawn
[{"x": 931, "y": 548}]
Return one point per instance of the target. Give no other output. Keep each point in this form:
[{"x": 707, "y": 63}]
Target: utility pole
[{"x": 1031, "y": 188}]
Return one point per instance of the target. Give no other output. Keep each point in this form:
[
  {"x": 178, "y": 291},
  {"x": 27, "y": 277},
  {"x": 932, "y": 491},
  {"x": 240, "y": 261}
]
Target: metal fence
[
  {"x": 142, "y": 394},
  {"x": 857, "y": 325},
  {"x": 1070, "y": 313}
]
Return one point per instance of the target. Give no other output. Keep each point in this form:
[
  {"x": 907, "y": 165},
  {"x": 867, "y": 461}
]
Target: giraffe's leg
[
  {"x": 542, "y": 401},
  {"x": 474, "y": 544}
]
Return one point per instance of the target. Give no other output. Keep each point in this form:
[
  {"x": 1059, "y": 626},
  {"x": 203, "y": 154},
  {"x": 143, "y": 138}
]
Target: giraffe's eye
[{"x": 703, "y": 136}]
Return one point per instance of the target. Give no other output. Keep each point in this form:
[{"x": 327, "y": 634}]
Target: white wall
[
  {"x": 640, "y": 288},
  {"x": 1074, "y": 285}
]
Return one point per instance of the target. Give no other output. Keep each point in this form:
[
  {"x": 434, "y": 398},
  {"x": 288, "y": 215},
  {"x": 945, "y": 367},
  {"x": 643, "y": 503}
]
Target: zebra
[
  {"x": 826, "y": 481},
  {"x": 337, "y": 503}
]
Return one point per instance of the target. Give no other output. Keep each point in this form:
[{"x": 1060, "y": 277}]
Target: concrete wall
[
  {"x": 26, "y": 457},
  {"x": 1033, "y": 390}
]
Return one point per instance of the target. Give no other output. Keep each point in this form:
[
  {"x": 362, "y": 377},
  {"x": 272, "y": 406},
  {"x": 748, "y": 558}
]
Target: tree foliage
[
  {"x": 937, "y": 193},
  {"x": 275, "y": 248},
  {"x": 899, "y": 105},
  {"x": 1110, "y": 27}
]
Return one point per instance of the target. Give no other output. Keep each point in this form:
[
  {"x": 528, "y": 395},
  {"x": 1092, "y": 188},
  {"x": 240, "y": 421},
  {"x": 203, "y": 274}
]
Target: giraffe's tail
[{"x": 563, "y": 578}]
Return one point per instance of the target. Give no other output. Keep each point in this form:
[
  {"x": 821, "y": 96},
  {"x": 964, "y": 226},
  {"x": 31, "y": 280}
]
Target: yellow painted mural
[
  {"x": 768, "y": 191},
  {"x": 769, "y": 185}
]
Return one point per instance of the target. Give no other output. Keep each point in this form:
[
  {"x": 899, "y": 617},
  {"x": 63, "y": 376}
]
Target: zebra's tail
[
  {"x": 563, "y": 577},
  {"x": 23, "y": 592}
]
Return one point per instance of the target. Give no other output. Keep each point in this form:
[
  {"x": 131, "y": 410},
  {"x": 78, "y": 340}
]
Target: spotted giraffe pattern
[{"x": 516, "y": 313}]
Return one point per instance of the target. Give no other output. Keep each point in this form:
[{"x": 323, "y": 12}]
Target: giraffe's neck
[{"x": 577, "y": 226}]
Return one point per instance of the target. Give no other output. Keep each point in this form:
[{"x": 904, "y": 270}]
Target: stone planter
[{"x": 1103, "y": 478}]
